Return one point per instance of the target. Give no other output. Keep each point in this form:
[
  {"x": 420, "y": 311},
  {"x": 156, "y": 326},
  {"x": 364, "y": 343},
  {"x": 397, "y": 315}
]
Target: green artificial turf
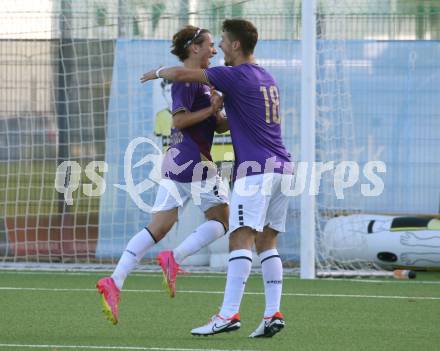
[{"x": 63, "y": 309}]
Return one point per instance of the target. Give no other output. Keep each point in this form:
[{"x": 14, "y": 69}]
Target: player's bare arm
[
  {"x": 179, "y": 74},
  {"x": 186, "y": 119}
]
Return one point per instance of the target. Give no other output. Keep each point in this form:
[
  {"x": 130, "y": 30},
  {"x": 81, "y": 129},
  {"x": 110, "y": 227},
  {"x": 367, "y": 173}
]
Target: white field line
[
  {"x": 97, "y": 347},
  {"x": 221, "y": 275},
  {"x": 10, "y": 288},
  {"x": 375, "y": 281},
  {"x": 103, "y": 273}
]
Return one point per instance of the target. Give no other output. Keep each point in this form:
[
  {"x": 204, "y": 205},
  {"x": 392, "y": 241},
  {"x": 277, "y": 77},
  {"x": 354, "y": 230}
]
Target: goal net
[
  {"x": 374, "y": 150},
  {"x": 80, "y": 136}
]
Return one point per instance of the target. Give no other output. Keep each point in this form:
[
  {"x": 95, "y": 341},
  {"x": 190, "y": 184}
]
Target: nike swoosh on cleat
[{"x": 216, "y": 328}]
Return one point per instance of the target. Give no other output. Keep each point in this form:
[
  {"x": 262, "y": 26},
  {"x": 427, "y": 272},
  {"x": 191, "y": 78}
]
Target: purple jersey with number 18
[{"x": 252, "y": 105}]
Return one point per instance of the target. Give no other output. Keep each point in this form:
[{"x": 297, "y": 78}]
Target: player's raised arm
[
  {"x": 184, "y": 119},
  {"x": 177, "y": 73}
]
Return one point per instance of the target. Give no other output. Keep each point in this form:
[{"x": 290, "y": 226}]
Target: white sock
[
  {"x": 136, "y": 248},
  {"x": 204, "y": 235},
  {"x": 239, "y": 268},
  {"x": 273, "y": 280}
]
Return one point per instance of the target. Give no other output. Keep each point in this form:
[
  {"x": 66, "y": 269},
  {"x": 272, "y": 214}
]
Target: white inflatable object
[{"x": 390, "y": 242}]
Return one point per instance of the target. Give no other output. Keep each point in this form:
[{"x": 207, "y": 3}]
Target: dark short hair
[
  {"x": 184, "y": 38},
  {"x": 243, "y": 31}
]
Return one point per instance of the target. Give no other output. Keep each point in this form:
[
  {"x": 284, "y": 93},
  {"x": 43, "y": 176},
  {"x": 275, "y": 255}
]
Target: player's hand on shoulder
[{"x": 150, "y": 75}]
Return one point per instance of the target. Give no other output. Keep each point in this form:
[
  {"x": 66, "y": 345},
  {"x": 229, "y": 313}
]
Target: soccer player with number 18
[{"x": 251, "y": 101}]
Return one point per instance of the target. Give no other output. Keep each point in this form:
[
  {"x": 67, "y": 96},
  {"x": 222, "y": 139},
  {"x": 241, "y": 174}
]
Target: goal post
[{"x": 308, "y": 118}]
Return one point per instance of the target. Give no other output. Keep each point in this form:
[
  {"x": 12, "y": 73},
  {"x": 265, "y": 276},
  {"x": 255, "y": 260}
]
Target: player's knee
[
  {"x": 159, "y": 230},
  {"x": 220, "y": 214},
  {"x": 242, "y": 238},
  {"x": 260, "y": 245},
  {"x": 265, "y": 241},
  {"x": 161, "y": 223}
]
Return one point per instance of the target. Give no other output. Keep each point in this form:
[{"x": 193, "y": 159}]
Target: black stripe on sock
[
  {"x": 224, "y": 227},
  {"x": 148, "y": 230},
  {"x": 265, "y": 259},
  {"x": 370, "y": 226},
  {"x": 130, "y": 252},
  {"x": 240, "y": 258}
]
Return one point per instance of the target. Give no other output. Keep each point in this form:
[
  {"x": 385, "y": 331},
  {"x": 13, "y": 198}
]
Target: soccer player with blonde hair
[{"x": 195, "y": 119}]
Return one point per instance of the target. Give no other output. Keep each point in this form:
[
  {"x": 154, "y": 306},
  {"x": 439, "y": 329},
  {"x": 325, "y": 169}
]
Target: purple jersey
[
  {"x": 192, "y": 144},
  {"x": 252, "y": 105}
]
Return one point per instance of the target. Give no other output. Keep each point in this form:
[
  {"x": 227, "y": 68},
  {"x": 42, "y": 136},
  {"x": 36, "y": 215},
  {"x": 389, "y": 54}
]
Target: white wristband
[{"x": 158, "y": 71}]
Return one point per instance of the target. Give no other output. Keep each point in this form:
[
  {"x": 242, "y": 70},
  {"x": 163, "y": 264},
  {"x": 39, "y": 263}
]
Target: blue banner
[{"x": 381, "y": 95}]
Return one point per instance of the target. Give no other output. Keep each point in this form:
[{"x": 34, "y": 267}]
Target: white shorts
[
  {"x": 172, "y": 194},
  {"x": 264, "y": 205}
]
